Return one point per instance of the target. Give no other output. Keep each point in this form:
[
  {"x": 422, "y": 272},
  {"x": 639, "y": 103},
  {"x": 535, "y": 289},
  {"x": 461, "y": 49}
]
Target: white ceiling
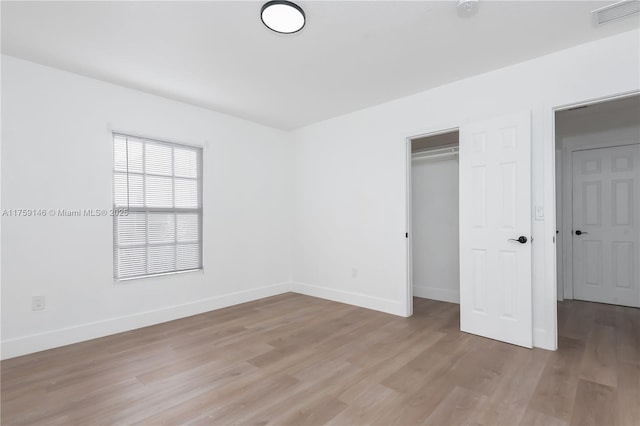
[{"x": 349, "y": 56}]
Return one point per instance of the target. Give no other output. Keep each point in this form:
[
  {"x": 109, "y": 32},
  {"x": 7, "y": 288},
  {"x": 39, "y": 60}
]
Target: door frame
[
  {"x": 551, "y": 266},
  {"x": 427, "y": 132}
]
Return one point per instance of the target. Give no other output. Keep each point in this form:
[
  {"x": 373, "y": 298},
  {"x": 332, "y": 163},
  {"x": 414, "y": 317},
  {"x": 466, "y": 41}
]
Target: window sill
[{"x": 163, "y": 274}]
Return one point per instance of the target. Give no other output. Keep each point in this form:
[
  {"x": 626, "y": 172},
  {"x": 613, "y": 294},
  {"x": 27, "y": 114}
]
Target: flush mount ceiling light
[{"x": 282, "y": 16}]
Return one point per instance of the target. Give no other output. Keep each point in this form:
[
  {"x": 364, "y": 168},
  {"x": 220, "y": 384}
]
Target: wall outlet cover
[{"x": 37, "y": 303}]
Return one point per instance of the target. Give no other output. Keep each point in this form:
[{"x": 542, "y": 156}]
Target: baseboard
[
  {"x": 42, "y": 341},
  {"x": 52, "y": 339},
  {"x": 441, "y": 294},
  {"x": 357, "y": 299}
]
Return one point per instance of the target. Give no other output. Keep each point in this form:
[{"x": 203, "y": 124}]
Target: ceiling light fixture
[{"x": 283, "y": 16}]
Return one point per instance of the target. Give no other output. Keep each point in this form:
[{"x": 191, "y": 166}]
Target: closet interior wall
[{"x": 435, "y": 224}]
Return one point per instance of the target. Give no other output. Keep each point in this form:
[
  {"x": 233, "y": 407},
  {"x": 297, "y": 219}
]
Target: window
[{"x": 158, "y": 186}]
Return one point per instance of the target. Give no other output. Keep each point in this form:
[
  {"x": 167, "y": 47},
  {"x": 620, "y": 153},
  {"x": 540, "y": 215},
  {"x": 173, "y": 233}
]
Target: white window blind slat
[
  {"x": 162, "y": 259},
  {"x": 159, "y": 191},
  {"x": 132, "y": 229},
  {"x": 186, "y": 193},
  {"x": 160, "y": 184},
  {"x": 132, "y": 261},
  {"x": 120, "y": 189},
  {"x": 188, "y": 227},
  {"x": 161, "y": 228},
  {"x": 158, "y": 159},
  {"x": 188, "y": 256},
  {"x": 186, "y": 163},
  {"x": 119, "y": 154}
]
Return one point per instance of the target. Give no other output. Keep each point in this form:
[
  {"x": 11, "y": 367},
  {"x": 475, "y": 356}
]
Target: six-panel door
[
  {"x": 606, "y": 233},
  {"x": 495, "y": 229}
]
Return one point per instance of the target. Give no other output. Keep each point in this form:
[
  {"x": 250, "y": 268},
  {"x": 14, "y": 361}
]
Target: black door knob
[
  {"x": 521, "y": 239},
  {"x": 579, "y": 232}
]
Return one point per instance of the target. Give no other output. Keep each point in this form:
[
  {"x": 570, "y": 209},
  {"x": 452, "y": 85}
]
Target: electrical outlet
[
  {"x": 37, "y": 303},
  {"x": 354, "y": 273}
]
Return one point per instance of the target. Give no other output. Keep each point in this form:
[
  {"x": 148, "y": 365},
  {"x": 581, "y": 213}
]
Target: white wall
[
  {"x": 350, "y": 173},
  {"x": 342, "y": 186},
  {"x": 435, "y": 228},
  {"x": 57, "y": 153},
  {"x": 617, "y": 123}
]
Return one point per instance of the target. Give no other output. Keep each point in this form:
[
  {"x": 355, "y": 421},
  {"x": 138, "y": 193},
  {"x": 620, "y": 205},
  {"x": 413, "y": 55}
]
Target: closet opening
[{"x": 434, "y": 266}]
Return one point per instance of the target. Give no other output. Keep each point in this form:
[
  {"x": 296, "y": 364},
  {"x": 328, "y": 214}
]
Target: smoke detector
[{"x": 467, "y": 6}]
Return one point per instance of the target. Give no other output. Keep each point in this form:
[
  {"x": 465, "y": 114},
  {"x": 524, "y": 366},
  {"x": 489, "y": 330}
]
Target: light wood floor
[{"x": 298, "y": 360}]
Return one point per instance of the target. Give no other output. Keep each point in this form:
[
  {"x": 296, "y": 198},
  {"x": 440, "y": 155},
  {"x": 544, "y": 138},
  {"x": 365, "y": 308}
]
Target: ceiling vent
[{"x": 616, "y": 11}]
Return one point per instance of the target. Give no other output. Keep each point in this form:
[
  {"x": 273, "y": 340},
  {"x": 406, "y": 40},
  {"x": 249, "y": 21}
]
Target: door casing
[
  {"x": 434, "y": 131},
  {"x": 550, "y": 265},
  {"x": 566, "y": 166}
]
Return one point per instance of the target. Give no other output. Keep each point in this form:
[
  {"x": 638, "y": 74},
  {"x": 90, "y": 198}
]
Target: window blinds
[{"x": 159, "y": 184}]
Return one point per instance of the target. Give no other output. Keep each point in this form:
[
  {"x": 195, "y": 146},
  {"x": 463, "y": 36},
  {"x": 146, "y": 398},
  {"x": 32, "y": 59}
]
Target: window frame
[{"x": 198, "y": 211}]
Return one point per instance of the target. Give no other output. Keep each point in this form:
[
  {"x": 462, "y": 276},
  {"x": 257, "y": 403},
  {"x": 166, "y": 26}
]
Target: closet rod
[{"x": 439, "y": 153}]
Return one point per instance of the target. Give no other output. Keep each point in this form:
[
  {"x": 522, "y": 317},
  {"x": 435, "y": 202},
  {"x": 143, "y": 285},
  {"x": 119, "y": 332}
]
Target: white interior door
[
  {"x": 495, "y": 211},
  {"x": 606, "y": 197}
]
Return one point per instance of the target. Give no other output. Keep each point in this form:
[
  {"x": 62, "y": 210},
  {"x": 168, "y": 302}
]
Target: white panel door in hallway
[
  {"x": 495, "y": 229},
  {"x": 606, "y": 233}
]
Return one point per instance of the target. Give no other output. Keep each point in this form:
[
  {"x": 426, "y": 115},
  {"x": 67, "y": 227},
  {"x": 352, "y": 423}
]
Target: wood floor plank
[
  {"x": 320, "y": 411},
  {"x": 599, "y": 363},
  {"x": 135, "y": 406},
  {"x": 390, "y": 366},
  {"x": 428, "y": 379},
  {"x": 508, "y": 403},
  {"x": 628, "y": 335},
  {"x": 483, "y": 368},
  {"x": 256, "y": 396},
  {"x": 460, "y": 407},
  {"x": 577, "y": 322},
  {"x": 370, "y": 407},
  {"x": 628, "y": 393},
  {"x": 596, "y": 405},
  {"x": 311, "y": 398},
  {"x": 536, "y": 418},
  {"x": 605, "y": 314},
  {"x": 298, "y": 360},
  {"x": 555, "y": 393}
]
